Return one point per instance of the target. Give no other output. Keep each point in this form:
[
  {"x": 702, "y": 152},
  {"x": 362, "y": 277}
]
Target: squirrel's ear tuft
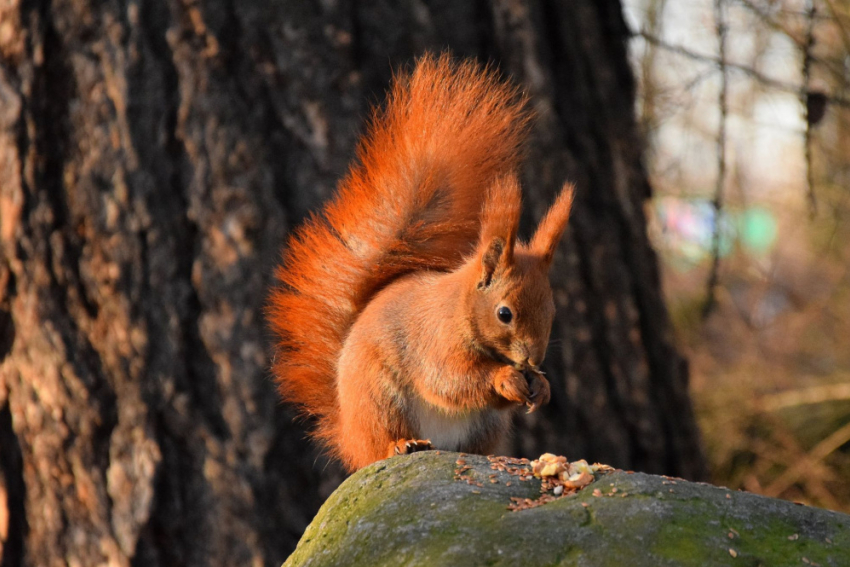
[
  {"x": 549, "y": 231},
  {"x": 499, "y": 225}
]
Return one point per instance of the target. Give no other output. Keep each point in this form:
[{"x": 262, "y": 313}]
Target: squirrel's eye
[{"x": 504, "y": 314}]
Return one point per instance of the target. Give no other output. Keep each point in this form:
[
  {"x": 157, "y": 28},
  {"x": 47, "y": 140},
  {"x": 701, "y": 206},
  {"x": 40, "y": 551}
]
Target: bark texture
[{"x": 153, "y": 156}]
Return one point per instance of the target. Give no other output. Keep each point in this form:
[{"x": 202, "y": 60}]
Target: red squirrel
[{"x": 408, "y": 315}]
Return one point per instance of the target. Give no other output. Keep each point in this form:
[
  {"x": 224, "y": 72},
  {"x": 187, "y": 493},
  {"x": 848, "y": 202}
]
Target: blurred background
[{"x": 744, "y": 105}]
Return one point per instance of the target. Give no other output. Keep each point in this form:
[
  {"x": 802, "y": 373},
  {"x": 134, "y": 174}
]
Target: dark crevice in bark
[
  {"x": 232, "y": 59},
  {"x": 174, "y": 533},
  {"x": 358, "y": 47},
  {"x": 564, "y": 68},
  {"x": 271, "y": 126},
  {"x": 383, "y": 50},
  {"x": 487, "y": 44},
  {"x": 177, "y": 532},
  {"x": 8, "y": 252},
  {"x": 7, "y": 323},
  {"x": 53, "y": 87},
  {"x": 199, "y": 380},
  {"x": 616, "y": 33},
  {"x": 668, "y": 371},
  {"x": 23, "y": 139},
  {"x": 7, "y": 333},
  {"x": 154, "y": 20},
  {"x": 562, "y": 65},
  {"x": 602, "y": 349},
  {"x": 282, "y": 526},
  {"x": 230, "y": 40},
  {"x": 201, "y": 369},
  {"x": 12, "y": 469},
  {"x": 662, "y": 360},
  {"x": 271, "y": 96}
]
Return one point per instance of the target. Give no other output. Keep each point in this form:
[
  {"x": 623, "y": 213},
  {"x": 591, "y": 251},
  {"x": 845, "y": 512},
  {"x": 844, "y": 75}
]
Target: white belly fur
[{"x": 447, "y": 431}]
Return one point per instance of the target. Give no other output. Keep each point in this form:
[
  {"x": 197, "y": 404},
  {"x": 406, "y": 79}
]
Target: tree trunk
[{"x": 153, "y": 156}]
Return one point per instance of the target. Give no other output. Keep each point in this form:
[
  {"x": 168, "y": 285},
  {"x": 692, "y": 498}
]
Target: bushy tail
[{"x": 412, "y": 201}]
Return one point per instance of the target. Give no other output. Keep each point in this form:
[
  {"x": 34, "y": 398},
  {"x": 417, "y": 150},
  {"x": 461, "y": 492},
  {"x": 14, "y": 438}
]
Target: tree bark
[{"x": 153, "y": 156}]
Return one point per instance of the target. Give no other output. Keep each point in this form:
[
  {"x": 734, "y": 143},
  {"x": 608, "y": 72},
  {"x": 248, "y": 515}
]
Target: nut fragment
[
  {"x": 549, "y": 465},
  {"x": 558, "y": 477},
  {"x": 579, "y": 480}
]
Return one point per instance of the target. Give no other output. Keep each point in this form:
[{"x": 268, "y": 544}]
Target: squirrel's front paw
[
  {"x": 511, "y": 385},
  {"x": 407, "y": 446},
  {"x": 538, "y": 385}
]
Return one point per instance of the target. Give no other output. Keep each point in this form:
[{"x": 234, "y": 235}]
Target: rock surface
[{"x": 412, "y": 510}]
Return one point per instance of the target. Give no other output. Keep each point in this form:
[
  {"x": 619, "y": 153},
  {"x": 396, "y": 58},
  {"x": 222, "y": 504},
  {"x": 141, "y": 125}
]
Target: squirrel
[{"x": 408, "y": 316}]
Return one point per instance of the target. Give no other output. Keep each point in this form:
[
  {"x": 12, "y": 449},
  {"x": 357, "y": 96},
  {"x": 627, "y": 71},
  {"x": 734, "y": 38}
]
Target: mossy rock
[{"x": 411, "y": 510}]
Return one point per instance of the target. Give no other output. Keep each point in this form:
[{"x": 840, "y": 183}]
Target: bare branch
[
  {"x": 717, "y": 202},
  {"x": 749, "y": 71},
  {"x": 810, "y": 120},
  {"x": 800, "y": 42}
]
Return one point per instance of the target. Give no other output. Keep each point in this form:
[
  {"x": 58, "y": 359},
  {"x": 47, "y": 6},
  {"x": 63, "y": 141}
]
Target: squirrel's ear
[
  {"x": 492, "y": 258},
  {"x": 499, "y": 225},
  {"x": 549, "y": 231}
]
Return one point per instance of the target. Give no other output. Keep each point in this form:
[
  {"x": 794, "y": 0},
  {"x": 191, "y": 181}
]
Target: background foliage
[{"x": 770, "y": 359}]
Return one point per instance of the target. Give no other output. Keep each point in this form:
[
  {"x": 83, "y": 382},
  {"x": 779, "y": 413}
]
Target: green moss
[
  {"x": 690, "y": 538},
  {"x": 702, "y": 533}
]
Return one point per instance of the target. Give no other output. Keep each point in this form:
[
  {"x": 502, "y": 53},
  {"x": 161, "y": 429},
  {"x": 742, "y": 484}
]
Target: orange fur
[
  {"x": 545, "y": 239},
  {"x": 374, "y": 311}
]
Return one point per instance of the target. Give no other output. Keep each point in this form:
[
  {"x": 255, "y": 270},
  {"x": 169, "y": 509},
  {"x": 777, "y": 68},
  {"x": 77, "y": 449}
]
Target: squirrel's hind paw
[{"x": 407, "y": 446}]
